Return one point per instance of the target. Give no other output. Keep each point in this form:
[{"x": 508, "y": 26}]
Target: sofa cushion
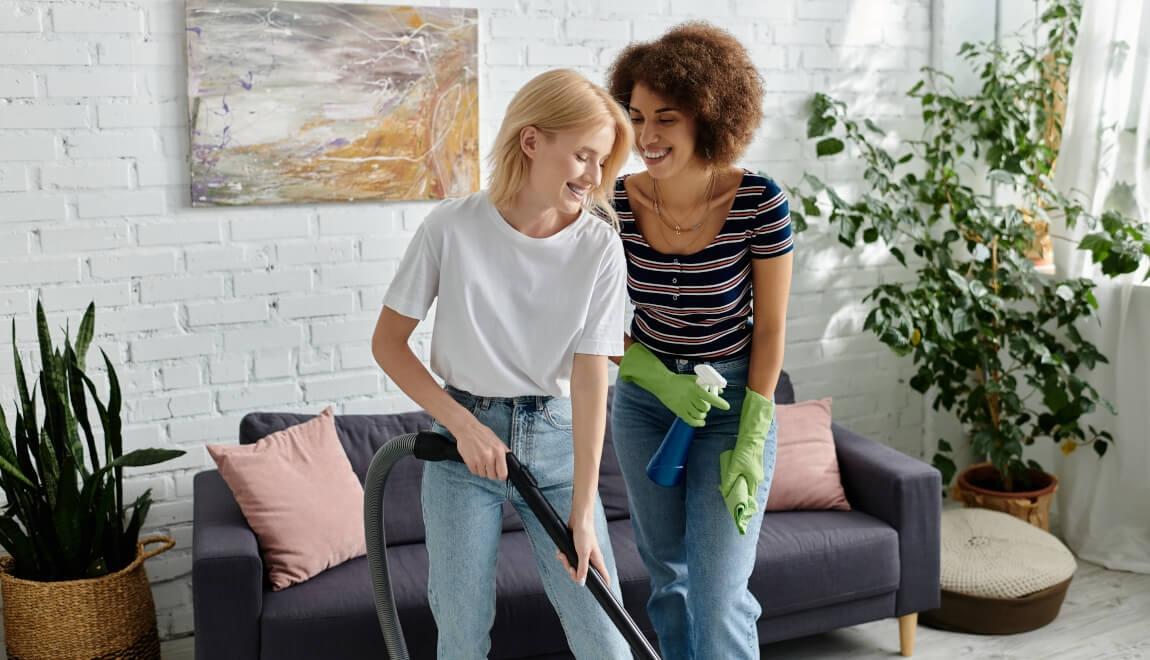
[
  {"x": 809, "y": 559},
  {"x": 806, "y": 467},
  {"x": 361, "y": 436},
  {"x": 299, "y": 494},
  {"x": 301, "y": 622}
]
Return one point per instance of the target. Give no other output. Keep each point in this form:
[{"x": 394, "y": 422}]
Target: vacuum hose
[
  {"x": 434, "y": 447},
  {"x": 387, "y": 456}
]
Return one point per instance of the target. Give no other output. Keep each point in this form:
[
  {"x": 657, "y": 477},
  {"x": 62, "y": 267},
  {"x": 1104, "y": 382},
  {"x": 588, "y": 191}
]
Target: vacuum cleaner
[{"x": 435, "y": 447}]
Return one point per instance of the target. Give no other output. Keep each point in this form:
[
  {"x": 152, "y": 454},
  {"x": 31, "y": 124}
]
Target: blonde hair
[{"x": 556, "y": 101}]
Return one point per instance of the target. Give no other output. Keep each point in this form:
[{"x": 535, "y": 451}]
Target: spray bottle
[{"x": 667, "y": 466}]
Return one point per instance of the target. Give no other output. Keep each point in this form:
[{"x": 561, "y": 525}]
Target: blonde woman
[{"x": 530, "y": 279}]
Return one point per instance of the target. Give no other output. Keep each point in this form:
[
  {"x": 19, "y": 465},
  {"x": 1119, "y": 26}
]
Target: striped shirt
[{"x": 699, "y": 305}]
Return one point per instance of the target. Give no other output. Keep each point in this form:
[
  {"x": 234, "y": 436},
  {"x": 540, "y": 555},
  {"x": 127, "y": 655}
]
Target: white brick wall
[{"x": 209, "y": 314}]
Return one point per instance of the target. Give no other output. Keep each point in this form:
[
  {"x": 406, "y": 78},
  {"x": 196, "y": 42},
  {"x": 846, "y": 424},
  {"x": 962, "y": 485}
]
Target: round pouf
[{"x": 999, "y": 574}]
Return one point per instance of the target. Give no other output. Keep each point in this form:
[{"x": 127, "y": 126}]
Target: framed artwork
[{"x": 301, "y": 102}]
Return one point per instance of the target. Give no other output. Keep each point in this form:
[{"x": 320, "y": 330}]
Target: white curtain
[{"x": 1104, "y": 504}]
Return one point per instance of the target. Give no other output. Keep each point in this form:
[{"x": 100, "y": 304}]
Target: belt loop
[
  {"x": 540, "y": 403},
  {"x": 484, "y": 402}
]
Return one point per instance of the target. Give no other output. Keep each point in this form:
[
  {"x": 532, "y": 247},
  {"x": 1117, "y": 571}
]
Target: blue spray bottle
[{"x": 667, "y": 466}]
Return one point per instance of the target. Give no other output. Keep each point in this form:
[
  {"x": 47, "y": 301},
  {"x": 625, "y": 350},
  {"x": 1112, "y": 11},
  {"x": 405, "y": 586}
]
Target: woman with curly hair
[{"x": 708, "y": 247}]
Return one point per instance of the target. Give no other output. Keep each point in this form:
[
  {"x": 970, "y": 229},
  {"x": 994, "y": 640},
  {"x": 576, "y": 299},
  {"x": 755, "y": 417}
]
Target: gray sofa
[{"x": 816, "y": 571}]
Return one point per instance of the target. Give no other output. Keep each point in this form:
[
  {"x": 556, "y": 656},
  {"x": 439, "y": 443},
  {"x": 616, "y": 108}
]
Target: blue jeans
[
  {"x": 463, "y": 517},
  {"x": 698, "y": 562}
]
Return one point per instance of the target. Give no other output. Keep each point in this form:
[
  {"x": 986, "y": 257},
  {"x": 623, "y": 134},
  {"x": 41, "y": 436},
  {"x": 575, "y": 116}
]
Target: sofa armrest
[
  {"x": 227, "y": 574},
  {"x": 906, "y": 494}
]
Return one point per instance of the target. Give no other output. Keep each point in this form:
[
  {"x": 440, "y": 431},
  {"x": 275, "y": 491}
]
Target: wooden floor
[{"x": 1106, "y": 616}]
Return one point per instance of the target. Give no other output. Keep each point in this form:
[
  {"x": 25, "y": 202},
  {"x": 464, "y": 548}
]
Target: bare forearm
[
  {"x": 766, "y": 360},
  {"x": 772, "y": 286},
  {"x": 402, "y": 366},
  {"x": 589, "y": 420}
]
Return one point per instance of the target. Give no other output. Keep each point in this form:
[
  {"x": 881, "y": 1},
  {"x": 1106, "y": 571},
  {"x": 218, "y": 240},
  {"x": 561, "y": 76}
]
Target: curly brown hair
[{"x": 705, "y": 71}]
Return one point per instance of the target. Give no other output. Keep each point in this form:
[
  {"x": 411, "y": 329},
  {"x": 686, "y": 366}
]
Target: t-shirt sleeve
[
  {"x": 416, "y": 283},
  {"x": 603, "y": 329},
  {"x": 771, "y": 236}
]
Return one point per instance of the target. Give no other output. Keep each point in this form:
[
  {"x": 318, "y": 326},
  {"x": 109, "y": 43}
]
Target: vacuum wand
[{"x": 434, "y": 447}]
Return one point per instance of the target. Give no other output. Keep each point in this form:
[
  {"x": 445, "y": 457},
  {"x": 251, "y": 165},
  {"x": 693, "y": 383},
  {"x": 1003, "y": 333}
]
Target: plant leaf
[
  {"x": 49, "y": 468},
  {"x": 20, "y": 546},
  {"x": 140, "y": 510},
  {"x": 24, "y": 449},
  {"x": 80, "y": 404},
  {"x": 84, "y": 335},
  {"x": 945, "y": 466},
  {"x": 829, "y": 147},
  {"x": 143, "y": 457},
  {"x": 112, "y": 432},
  {"x": 11, "y": 470}
]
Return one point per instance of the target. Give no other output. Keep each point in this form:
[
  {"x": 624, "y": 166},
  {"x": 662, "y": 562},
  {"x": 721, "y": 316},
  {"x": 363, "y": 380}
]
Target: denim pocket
[{"x": 557, "y": 412}]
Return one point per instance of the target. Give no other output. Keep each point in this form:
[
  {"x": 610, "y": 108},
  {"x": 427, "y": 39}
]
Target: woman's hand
[
  {"x": 587, "y": 548},
  {"x": 482, "y": 451},
  {"x": 678, "y": 392}
]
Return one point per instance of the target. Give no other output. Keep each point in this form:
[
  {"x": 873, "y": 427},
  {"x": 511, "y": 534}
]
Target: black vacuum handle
[
  {"x": 431, "y": 446},
  {"x": 435, "y": 447}
]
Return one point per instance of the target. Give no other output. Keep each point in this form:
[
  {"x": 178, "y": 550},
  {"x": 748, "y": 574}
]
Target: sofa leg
[{"x": 906, "y": 627}]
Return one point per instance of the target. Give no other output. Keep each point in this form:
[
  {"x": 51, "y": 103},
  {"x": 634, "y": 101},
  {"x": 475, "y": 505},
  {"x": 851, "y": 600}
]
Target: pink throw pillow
[
  {"x": 806, "y": 467},
  {"x": 300, "y": 496}
]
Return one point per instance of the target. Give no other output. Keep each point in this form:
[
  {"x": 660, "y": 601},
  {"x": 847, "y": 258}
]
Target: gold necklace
[
  {"x": 710, "y": 191},
  {"x": 686, "y": 249}
]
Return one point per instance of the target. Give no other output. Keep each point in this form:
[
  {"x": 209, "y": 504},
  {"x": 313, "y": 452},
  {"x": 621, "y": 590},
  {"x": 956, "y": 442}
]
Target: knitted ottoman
[{"x": 999, "y": 575}]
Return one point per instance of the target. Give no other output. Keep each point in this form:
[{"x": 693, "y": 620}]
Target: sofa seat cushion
[
  {"x": 810, "y": 559},
  {"x": 301, "y": 621}
]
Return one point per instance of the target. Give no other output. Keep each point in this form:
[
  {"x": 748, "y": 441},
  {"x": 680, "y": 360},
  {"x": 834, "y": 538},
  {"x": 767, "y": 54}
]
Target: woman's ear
[{"x": 529, "y": 141}]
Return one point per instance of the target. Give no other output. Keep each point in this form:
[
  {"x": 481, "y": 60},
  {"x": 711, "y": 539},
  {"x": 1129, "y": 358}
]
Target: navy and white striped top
[{"x": 699, "y": 305}]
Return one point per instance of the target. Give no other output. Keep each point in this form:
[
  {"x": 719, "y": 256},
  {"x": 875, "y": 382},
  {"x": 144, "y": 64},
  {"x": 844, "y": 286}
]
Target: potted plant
[
  {"x": 74, "y": 584},
  {"x": 980, "y": 322}
]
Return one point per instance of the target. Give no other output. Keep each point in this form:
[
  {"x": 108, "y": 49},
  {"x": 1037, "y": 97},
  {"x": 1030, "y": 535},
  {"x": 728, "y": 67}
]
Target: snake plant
[{"x": 65, "y": 516}]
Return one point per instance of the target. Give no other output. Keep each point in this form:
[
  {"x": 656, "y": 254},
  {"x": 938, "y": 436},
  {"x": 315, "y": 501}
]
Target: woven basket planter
[
  {"x": 1032, "y": 506},
  {"x": 112, "y": 616}
]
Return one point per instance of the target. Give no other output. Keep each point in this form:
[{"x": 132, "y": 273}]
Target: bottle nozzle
[{"x": 709, "y": 379}]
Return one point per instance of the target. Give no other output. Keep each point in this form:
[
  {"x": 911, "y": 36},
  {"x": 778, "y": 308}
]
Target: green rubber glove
[
  {"x": 741, "y": 468},
  {"x": 678, "y": 392}
]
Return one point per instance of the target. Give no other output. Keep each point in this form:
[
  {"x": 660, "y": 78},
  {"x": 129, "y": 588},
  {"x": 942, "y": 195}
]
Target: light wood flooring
[{"x": 1106, "y": 616}]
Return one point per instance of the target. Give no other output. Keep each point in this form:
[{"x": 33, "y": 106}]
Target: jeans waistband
[
  {"x": 538, "y": 401},
  {"x": 686, "y": 365}
]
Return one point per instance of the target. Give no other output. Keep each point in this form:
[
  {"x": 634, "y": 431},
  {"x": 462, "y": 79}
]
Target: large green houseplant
[
  {"x": 65, "y": 521},
  {"x": 983, "y": 327}
]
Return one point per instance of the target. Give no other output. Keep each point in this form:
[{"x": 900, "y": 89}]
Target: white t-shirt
[{"x": 513, "y": 310}]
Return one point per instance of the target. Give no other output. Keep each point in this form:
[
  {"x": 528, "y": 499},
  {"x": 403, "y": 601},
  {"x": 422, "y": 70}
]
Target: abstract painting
[{"x": 301, "y": 102}]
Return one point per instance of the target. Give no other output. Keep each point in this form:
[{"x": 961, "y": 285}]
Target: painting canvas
[{"x": 300, "y": 102}]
